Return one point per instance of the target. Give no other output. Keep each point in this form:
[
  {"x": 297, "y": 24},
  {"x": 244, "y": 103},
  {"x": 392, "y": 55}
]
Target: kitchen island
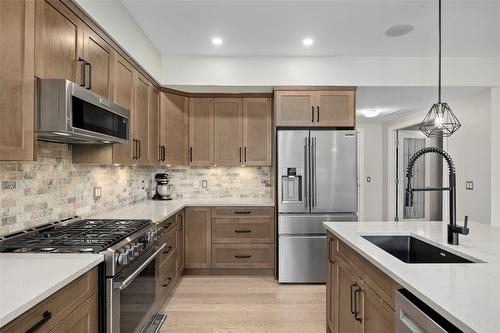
[{"x": 465, "y": 294}]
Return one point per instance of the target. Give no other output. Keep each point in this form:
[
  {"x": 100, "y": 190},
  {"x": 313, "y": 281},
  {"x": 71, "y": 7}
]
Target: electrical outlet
[
  {"x": 204, "y": 183},
  {"x": 469, "y": 185},
  {"x": 368, "y": 179},
  {"x": 97, "y": 193},
  {"x": 143, "y": 184}
]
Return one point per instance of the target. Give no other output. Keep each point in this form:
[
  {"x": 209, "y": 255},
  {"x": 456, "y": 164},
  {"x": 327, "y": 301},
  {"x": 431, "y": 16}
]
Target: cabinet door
[
  {"x": 123, "y": 94},
  {"x": 58, "y": 41},
  {"x": 98, "y": 55},
  {"x": 201, "y": 131},
  {"x": 375, "y": 315},
  {"x": 332, "y": 295},
  {"x": 17, "y": 80},
  {"x": 343, "y": 303},
  {"x": 228, "y": 127},
  {"x": 174, "y": 128},
  {"x": 198, "y": 237},
  {"x": 154, "y": 125},
  {"x": 141, "y": 116},
  {"x": 83, "y": 320},
  {"x": 180, "y": 243},
  {"x": 295, "y": 108},
  {"x": 335, "y": 108},
  {"x": 257, "y": 131}
]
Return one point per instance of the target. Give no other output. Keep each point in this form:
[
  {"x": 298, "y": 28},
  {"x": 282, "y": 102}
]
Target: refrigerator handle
[
  {"x": 306, "y": 175},
  {"x": 313, "y": 173}
]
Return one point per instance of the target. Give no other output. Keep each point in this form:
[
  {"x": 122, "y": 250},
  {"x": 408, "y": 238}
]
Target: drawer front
[
  {"x": 167, "y": 276},
  {"x": 59, "y": 305},
  {"x": 168, "y": 223},
  {"x": 242, "y": 212},
  {"x": 234, "y": 230},
  {"x": 170, "y": 240},
  {"x": 382, "y": 284},
  {"x": 243, "y": 256}
]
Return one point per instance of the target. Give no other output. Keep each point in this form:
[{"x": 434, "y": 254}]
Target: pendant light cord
[{"x": 439, "y": 69}]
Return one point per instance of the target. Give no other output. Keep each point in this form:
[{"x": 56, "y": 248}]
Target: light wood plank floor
[{"x": 244, "y": 304}]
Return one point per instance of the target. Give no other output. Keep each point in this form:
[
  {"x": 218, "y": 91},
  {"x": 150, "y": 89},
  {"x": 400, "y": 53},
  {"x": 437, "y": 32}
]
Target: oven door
[{"x": 133, "y": 298}]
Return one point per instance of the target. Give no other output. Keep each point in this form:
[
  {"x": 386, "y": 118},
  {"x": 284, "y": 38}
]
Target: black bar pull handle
[
  {"x": 312, "y": 114},
  {"x": 46, "y": 316},
  {"x": 243, "y": 231},
  {"x": 82, "y": 72},
  {"x": 317, "y": 114},
  {"x": 243, "y": 256},
  {"x": 246, "y": 212},
  {"x": 190, "y": 154},
  {"x": 88, "y": 75},
  {"x": 245, "y": 154},
  {"x": 240, "y": 154},
  {"x": 353, "y": 306},
  {"x": 168, "y": 283},
  {"x": 167, "y": 249},
  {"x": 356, "y": 311}
]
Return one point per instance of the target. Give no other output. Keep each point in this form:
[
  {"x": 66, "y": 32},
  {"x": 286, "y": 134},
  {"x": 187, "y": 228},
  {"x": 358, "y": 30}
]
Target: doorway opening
[{"x": 427, "y": 172}]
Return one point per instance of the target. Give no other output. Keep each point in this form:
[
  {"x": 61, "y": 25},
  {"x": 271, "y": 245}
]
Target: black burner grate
[{"x": 91, "y": 236}]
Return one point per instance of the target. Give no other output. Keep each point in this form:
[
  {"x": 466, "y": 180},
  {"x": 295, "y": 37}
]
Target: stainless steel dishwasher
[{"x": 414, "y": 316}]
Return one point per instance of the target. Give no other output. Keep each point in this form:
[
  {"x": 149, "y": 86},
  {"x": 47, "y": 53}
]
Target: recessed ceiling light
[
  {"x": 217, "y": 41},
  {"x": 307, "y": 41},
  {"x": 399, "y": 30},
  {"x": 370, "y": 113}
]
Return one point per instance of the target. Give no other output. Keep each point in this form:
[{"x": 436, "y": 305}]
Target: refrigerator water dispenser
[{"x": 291, "y": 185}]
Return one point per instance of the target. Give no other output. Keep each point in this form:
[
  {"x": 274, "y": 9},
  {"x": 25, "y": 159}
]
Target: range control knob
[{"x": 122, "y": 259}]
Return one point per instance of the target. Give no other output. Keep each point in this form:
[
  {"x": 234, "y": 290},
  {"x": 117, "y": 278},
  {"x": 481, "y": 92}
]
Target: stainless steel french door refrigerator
[{"x": 317, "y": 181}]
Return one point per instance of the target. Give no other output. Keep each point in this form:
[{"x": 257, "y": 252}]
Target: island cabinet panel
[
  {"x": 198, "y": 237},
  {"x": 72, "y": 309},
  {"x": 59, "y": 42},
  {"x": 174, "y": 125},
  {"x": 17, "y": 114},
  {"x": 228, "y": 115},
  {"x": 201, "y": 131},
  {"x": 357, "y": 293},
  {"x": 257, "y": 131}
]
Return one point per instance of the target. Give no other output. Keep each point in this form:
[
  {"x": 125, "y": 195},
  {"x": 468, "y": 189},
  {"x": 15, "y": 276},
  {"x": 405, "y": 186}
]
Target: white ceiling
[
  {"x": 394, "y": 102},
  {"x": 339, "y": 28}
]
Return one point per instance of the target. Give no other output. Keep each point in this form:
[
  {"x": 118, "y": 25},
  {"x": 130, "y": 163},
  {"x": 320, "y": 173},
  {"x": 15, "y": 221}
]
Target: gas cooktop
[{"x": 75, "y": 236}]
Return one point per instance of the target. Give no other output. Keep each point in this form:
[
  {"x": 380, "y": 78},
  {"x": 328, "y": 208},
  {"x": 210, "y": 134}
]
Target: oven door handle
[{"x": 129, "y": 279}]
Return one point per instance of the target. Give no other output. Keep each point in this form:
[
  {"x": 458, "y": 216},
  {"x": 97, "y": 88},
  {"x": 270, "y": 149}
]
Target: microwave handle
[{"x": 131, "y": 277}]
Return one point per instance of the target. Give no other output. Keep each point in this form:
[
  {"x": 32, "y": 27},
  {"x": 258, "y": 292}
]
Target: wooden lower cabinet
[
  {"x": 180, "y": 243},
  {"x": 353, "y": 305},
  {"x": 74, "y": 308},
  {"x": 198, "y": 237}
]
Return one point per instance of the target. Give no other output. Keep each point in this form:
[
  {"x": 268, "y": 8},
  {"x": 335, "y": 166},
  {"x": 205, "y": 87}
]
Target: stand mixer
[{"x": 163, "y": 188}]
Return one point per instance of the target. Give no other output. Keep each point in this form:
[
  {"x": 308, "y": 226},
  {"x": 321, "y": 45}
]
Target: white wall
[
  {"x": 112, "y": 16},
  {"x": 372, "y": 167},
  {"x": 366, "y": 71},
  {"x": 470, "y": 148},
  {"x": 495, "y": 156}
]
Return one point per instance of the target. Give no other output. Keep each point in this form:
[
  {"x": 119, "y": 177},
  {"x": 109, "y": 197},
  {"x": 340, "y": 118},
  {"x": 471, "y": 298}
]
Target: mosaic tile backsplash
[{"x": 52, "y": 188}]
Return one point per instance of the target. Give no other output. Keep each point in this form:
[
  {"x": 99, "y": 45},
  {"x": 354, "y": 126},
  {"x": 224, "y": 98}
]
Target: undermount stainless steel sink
[{"x": 412, "y": 250}]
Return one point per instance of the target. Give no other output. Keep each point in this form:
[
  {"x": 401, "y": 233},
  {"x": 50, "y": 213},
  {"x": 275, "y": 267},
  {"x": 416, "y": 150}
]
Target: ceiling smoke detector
[{"x": 399, "y": 30}]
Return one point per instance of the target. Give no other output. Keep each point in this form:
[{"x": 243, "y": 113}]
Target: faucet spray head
[{"x": 409, "y": 194}]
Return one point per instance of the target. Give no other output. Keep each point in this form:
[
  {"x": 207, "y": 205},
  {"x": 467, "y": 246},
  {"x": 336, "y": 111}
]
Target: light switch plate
[
  {"x": 204, "y": 183},
  {"x": 469, "y": 185},
  {"x": 97, "y": 193}
]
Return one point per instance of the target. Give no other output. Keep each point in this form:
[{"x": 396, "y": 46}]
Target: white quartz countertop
[
  {"x": 468, "y": 295},
  {"x": 158, "y": 210},
  {"x": 27, "y": 279}
]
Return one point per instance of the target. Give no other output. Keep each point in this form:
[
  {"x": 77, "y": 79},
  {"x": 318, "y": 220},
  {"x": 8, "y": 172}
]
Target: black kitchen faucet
[{"x": 453, "y": 229}]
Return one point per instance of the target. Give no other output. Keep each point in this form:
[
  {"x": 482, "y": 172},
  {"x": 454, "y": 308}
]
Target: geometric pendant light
[{"x": 440, "y": 121}]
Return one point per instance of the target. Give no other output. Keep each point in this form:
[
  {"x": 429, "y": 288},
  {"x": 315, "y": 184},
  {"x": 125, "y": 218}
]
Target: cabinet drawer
[
  {"x": 251, "y": 230},
  {"x": 59, "y": 305},
  {"x": 168, "y": 276},
  {"x": 382, "y": 284},
  {"x": 242, "y": 256},
  {"x": 170, "y": 239},
  {"x": 242, "y": 212}
]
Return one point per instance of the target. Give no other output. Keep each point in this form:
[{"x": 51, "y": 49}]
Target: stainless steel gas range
[{"x": 130, "y": 272}]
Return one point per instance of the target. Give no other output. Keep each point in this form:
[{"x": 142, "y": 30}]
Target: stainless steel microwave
[{"x": 70, "y": 113}]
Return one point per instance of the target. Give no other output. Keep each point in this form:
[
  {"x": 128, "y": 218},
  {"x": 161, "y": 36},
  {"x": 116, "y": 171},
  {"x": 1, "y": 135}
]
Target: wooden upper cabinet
[
  {"x": 228, "y": 149},
  {"x": 198, "y": 237},
  {"x": 141, "y": 115},
  {"x": 335, "y": 108},
  {"x": 201, "y": 131},
  {"x": 59, "y": 42},
  {"x": 295, "y": 108},
  {"x": 123, "y": 95},
  {"x": 99, "y": 57},
  {"x": 174, "y": 128},
  {"x": 257, "y": 131},
  {"x": 325, "y": 108},
  {"x": 154, "y": 125},
  {"x": 17, "y": 80}
]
